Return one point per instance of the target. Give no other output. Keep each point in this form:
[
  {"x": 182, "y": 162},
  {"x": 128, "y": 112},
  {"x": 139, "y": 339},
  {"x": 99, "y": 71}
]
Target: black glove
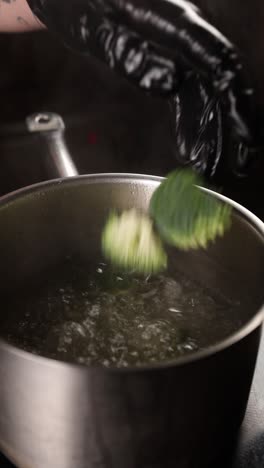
[
  {"x": 160, "y": 45},
  {"x": 202, "y": 135}
]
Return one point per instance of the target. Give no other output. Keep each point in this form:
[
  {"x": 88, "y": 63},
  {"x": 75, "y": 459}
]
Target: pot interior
[{"x": 51, "y": 231}]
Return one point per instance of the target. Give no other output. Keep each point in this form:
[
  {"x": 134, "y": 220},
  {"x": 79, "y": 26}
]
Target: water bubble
[
  {"x": 119, "y": 320},
  {"x": 95, "y": 310},
  {"x": 175, "y": 311},
  {"x": 68, "y": 339}
]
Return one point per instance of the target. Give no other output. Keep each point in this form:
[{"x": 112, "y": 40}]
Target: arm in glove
[{"x": 158, "y": 45}]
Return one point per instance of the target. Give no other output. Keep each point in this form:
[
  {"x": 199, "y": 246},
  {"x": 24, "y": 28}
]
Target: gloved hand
[{"x": 161, "y": 45}]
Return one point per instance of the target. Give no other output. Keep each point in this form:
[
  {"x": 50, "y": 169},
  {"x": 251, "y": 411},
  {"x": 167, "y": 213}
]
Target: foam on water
[{"x": 111, "y": 319}]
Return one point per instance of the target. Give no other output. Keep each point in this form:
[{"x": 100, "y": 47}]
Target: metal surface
[
  {"x": 130, "y": 128},
  {"x": 60, "y": 415},
  {"x": 50, "y": 129}
]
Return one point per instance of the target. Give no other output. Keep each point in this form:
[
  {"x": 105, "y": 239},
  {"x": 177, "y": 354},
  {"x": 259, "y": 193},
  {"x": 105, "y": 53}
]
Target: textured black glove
[{"x": 161, "y": 45}]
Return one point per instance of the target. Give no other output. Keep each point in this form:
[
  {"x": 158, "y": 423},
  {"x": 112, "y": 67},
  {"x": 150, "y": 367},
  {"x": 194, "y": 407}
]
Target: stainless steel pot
[{"x": 183, "y": 413}]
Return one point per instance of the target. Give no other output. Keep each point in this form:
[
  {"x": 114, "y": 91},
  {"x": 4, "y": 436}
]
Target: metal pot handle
[{"x": 50, "y": 129}]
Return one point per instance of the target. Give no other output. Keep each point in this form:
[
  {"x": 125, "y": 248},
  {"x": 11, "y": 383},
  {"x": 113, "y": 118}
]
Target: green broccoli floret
[
  {"x": 185, "y": 216},
  {"x": 130, "y": 242}
]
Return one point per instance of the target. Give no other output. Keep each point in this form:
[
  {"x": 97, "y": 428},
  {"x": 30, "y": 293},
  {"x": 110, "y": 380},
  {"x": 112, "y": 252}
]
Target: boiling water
[{"x": 102, "y": 317}]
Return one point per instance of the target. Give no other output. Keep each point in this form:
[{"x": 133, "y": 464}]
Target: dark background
[{"x": 110, "y": 125}]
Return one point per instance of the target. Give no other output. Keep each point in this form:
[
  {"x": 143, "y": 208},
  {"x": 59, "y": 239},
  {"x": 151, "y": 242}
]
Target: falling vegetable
[
  {"x": 185, "y": 217},
  {"x": 130, "y": 242}
]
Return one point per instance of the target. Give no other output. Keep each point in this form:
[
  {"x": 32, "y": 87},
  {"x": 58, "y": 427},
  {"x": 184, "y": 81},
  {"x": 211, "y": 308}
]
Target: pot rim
[{"x": 255, "y": 322}]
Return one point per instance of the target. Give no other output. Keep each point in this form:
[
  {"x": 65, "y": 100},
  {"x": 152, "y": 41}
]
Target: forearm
[{"x": 16, "y": 16}]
